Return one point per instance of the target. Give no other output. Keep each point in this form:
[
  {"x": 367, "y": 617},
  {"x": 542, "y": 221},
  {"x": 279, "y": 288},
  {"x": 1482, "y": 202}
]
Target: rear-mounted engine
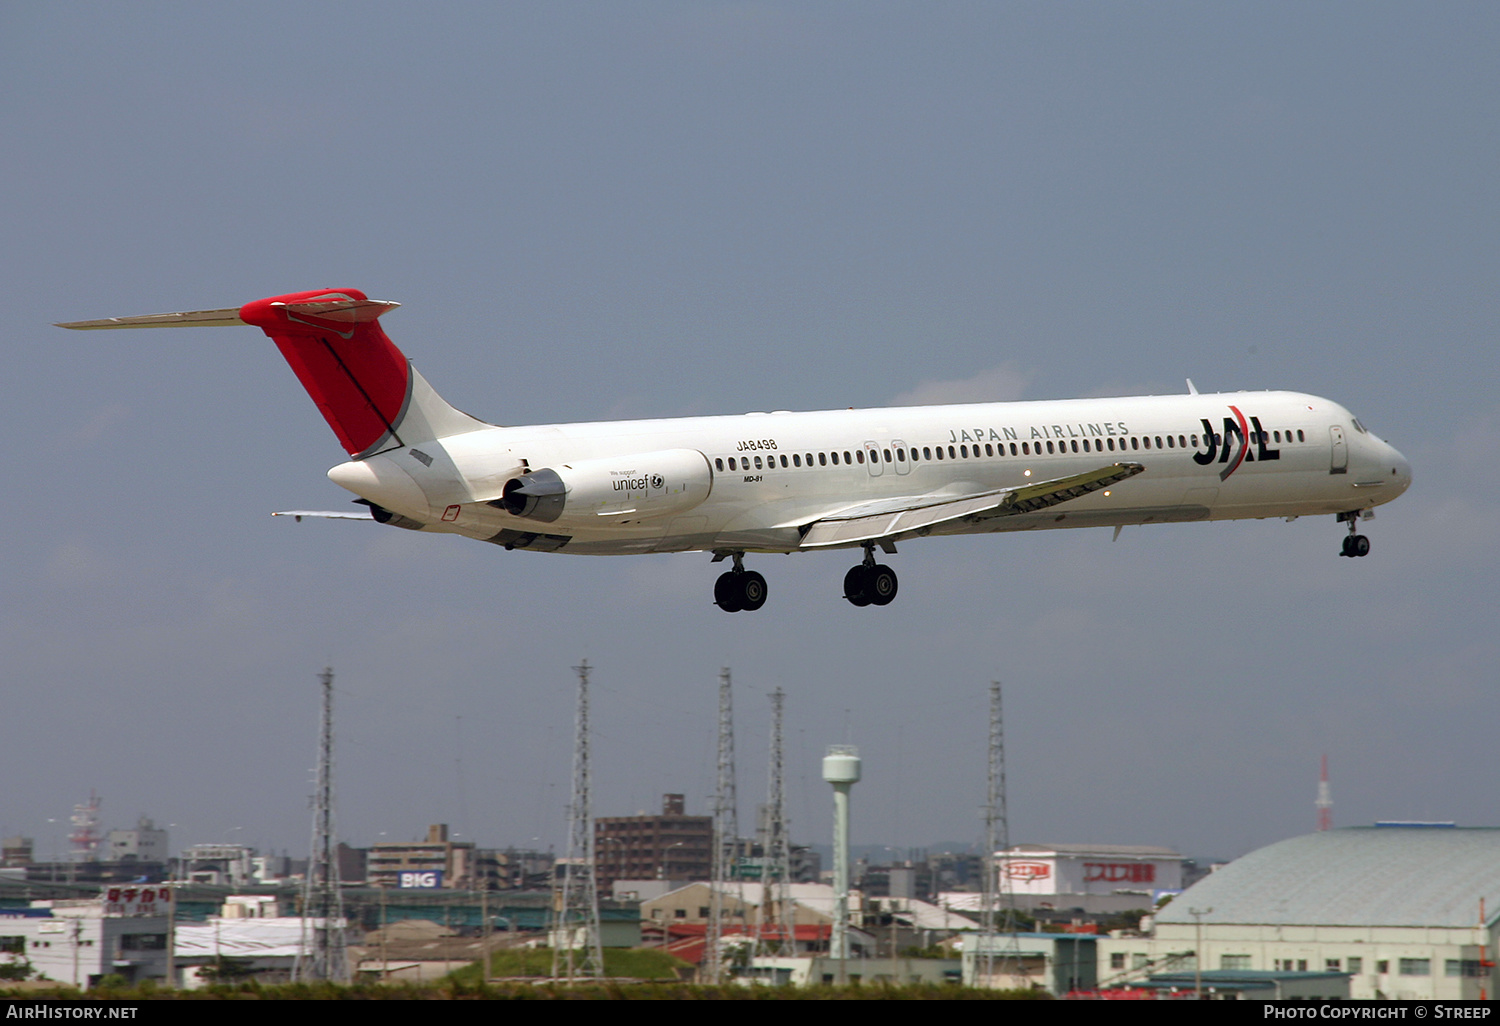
[{"x": 648, "y": 484}]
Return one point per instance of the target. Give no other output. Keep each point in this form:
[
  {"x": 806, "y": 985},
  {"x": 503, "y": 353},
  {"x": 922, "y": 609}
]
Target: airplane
[{"x": 785, "y": 482}]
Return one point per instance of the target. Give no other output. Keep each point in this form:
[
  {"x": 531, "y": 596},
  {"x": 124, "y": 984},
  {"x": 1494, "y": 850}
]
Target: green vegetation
[
  {"x": 622, "y": 963},
  {"x": 452, "y": 989}
]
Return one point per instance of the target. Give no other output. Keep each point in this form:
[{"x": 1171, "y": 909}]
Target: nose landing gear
[{"x": 1355, "y": 544}]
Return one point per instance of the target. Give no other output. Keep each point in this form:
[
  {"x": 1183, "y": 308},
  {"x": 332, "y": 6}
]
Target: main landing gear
[
  {"x": 1355, "y": 544},
  {"x": 740, "y": 589},
  {"x": 870, "y": 583}
]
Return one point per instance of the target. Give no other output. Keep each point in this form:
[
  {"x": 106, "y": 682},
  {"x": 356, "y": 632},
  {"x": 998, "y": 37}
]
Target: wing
[{"x": 890, "y": 517}]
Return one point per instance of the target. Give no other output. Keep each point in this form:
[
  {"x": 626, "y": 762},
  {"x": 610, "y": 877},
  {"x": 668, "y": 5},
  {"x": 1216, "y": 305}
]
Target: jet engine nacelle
[{"x": 647, "y": 484}]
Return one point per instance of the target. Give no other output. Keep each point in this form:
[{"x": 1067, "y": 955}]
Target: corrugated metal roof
[{"x": 1356, "y": 876}]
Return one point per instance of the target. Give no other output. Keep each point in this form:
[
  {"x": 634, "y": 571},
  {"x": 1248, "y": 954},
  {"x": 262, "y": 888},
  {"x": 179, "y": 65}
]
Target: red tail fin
[{"x": 352, "y": 370}]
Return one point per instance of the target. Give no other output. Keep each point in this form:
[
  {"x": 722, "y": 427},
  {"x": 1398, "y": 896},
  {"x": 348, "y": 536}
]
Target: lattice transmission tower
[
  {"x": 999, "y": 952},
  {"x": 578, "y": 907},
  {"x": 776, "y": 917},
  {"x": 322, "y": 955},
  {"x": 726, "y": 831}
]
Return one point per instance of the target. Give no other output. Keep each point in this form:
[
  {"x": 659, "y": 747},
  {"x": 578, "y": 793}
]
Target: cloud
[{"x": 992, "y": 385}]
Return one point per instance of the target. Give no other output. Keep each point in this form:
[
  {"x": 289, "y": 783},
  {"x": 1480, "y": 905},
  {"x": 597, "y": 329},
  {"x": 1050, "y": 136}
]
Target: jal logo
[
  {"x": 1027, "y": 871},
  {"x": 1232, "y": 447}
]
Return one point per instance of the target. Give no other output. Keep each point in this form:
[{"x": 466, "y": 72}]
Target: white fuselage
[{"x": 1205, "y": 457}]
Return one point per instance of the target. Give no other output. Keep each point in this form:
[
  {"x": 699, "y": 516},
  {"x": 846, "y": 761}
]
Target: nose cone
[{"x": 1400, "y": 471}]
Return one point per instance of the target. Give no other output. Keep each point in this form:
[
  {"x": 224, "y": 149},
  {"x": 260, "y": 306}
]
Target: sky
[{"x": 600, "y": 211}]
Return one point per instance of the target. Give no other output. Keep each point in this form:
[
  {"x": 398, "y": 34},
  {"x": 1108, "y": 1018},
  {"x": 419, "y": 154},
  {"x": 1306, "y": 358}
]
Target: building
[
  {"x": 222, "y": 865},
  {"x": 17, "y": 852},
  {"x": 1405, "y": 911},
  {"x": 79, "y": 942},
  {"x": 1091, "y": 878},
  {"x": 436, "y": 863},
  {"x": 143, "y": 844},
  {"x": 671, "y": 846},
  {"x": 1057, "y": 963}
]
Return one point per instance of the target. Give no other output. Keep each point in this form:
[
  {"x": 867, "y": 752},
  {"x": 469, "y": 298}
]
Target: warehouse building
[{"x": 1407, "y": 911}]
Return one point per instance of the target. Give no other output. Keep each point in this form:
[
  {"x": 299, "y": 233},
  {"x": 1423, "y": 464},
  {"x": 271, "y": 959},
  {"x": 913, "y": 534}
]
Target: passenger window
[
  {"x": 1182, "y": 443},
  {"x": 1075, "y": 445},
  {"x": 848, "y": 458},
  {"x": 887, "y": 454},
  {"x": 823, "y": 460},
  {"x": 1026, "y": 448},
  {"x": 963, "y": 450},
  {"x": 719, "y": 463},
  {"x": 796, "y": 460},
  {"x": 859, "y": 454},
  {"x": 809, "y": 459},
  {"x": 731, "y": 464},
  {"x": 1111, "y": 443},
  {"x": 1299, "y": 435},
  {"x": 927, "y": 453},
  {"x": 1135, "y": 443},
  {"x": 901, "y": 455},
  {"x": 783, "y": 462},
  {"x": 757, "y": 463},
  {"x": 952, "y": 455},
  {"x": 835, "y": 459}
]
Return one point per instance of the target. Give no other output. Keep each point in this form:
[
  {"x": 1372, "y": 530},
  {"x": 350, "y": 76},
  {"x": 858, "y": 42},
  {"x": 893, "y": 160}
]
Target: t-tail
[{"x": 364, "y": 386}]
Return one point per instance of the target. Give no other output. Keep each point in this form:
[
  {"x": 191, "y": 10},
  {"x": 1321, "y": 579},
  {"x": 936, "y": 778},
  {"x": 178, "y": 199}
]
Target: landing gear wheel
[
  {"x": 1361, "y": 545},
  {"x": 752, "y": 591},
  {"x": 740, "y": 591},
  {"x": 1348, "y": 549},
  {"x": 856, "y": 586},
  {"x": 727, "y": 592},
  {"x": 880, "y": 584}
]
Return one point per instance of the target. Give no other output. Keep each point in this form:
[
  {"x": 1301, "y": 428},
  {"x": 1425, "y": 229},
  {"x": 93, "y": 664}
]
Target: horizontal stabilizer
[
  {"x": 324, "y": 514},
  {"x": 340, "y": 310},
  {"x": 189, "y": 319},
  {"x": 891, "y": 517}
]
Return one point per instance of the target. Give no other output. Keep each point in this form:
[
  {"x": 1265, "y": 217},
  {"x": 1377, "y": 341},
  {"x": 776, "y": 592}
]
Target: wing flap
[{"x": 871, "y": 522}]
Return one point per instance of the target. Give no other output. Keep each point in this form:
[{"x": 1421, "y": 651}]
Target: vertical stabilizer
[{"x": 365, "y": 387}]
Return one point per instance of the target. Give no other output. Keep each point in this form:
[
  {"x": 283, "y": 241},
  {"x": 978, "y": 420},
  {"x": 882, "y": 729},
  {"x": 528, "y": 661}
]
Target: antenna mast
[
  {"x": 580, "y": 887},
  {"x": 726, "y": 829},
  {"x": 322, "y": 955}
]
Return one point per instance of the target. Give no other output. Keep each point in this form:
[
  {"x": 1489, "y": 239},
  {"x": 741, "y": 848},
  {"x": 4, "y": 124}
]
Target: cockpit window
[{"x": 1359, "y": 427}]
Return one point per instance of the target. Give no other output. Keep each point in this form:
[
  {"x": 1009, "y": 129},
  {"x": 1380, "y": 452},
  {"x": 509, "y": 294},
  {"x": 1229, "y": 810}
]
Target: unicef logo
[{"x": 657, "y": 481}]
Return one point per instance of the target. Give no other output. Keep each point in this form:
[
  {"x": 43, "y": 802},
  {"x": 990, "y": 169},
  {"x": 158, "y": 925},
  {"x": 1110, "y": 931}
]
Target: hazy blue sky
[{"x": 608, "y": 210}]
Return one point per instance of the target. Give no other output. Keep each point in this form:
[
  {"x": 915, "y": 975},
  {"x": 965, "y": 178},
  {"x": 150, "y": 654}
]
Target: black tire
[
  {"x": 880, "y": 584},
  {"x": 727, "y": 593},
  {"x": 1348, "y": 545},
  {"x": 752, "y": 590},
  {"x": 1361, "y": 545},
  {"x": 856, "y": 586}
]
